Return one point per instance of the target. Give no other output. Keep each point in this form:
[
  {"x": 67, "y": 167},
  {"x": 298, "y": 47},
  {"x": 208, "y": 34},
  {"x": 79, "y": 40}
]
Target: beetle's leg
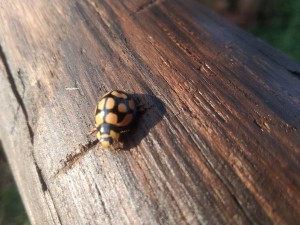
[
  {"x": 92, "y": 131},
  {"x": 117, "y": 146}
]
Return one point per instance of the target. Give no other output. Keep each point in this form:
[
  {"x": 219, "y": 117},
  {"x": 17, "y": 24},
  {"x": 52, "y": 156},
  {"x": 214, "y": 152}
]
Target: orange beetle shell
[{"x": 115, "y": 113}]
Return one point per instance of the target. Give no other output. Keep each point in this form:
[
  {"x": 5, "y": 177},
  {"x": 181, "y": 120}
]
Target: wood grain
[{"x": 219, "y": 142}]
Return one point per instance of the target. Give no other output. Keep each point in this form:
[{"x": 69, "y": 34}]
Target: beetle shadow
[{"x": 150, "y": 111}]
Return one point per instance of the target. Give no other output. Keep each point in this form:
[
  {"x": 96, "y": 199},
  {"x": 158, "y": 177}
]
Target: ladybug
[{"x": 115, "y": 112}]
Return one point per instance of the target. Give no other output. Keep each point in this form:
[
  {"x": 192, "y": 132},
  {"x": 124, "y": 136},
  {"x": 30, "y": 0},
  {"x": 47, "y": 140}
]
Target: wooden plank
[{"x": 218, "y": 144}]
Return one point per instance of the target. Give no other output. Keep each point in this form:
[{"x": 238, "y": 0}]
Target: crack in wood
[
  {"x": 71, "y": 159},
  {"x": 239, "y": 205},
  {"x": 102, "y": 203},
  {"x": 186, "y": 48},
  {"x": 20, "y": 76},
  {"x": 20, "y": 72},
  {"x": 231, "y": 192},
  {"x": 40, "y": 175},
  {"x": 146, "y": 5},
  {"x": 226, "y": 184},
  {"x": 46, "y": 190},
  {"x": 99, "y": 11},
  {"x": 16, "y": 92},
  {"x": 278, "y": 62},
  {"x": 294, "y": 72}
]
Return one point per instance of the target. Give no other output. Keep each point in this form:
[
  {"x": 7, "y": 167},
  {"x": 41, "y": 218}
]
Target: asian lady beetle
[{"x": 114, "y": 114}]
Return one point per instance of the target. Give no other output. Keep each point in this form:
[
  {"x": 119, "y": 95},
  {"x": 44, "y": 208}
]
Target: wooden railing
[{"x": 219, "y": 142}]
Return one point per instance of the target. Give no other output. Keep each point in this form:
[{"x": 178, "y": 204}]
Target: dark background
[{"x": 275, "y": 21}]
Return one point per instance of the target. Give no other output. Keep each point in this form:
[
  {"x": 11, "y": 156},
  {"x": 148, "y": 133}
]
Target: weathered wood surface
[{"x": 218, "y": 144}]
